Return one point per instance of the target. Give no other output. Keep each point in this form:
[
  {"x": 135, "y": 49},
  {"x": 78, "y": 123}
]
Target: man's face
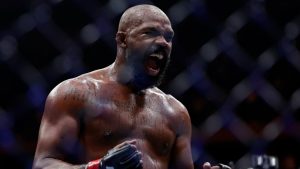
[{"x": 148, "y": 50}]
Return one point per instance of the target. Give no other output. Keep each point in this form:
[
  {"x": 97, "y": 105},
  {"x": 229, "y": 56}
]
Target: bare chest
[{"x": 111, "y": 122}]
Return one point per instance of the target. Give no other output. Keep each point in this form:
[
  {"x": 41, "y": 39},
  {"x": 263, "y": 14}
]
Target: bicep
[
  {"x": 58, "y": 132},
  {"x": 55, "y": 137},
  {"x": 181, "y": 155}
]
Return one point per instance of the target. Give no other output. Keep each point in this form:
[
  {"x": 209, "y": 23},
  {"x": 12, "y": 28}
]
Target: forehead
[
  {"x": 154, "y": 20},
  {"x": 156, "y": 25}
]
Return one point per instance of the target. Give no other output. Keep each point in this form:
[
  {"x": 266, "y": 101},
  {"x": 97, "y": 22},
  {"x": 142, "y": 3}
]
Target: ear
[{"x": 121, "y": 39}]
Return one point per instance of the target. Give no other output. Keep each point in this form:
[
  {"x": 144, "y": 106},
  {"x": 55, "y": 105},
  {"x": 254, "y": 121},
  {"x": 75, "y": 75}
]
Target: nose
[{"x": 161, "y": 40}]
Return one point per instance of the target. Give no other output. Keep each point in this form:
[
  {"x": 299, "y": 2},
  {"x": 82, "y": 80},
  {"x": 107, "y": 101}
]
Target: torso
[{"x": 112, "y": 114}]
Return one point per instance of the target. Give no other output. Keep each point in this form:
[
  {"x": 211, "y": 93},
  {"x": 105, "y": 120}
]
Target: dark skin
[{"x": 100, "y": 110}]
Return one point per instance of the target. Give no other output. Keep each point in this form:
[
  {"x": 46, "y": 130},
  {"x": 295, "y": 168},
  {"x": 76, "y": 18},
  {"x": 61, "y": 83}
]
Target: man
[{"x": 116, "y": 117}]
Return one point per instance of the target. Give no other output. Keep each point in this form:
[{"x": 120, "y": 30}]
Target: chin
[{"x": 141, "y": 82}]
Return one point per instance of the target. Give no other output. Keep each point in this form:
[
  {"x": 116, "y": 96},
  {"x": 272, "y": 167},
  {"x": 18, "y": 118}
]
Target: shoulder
[
  {"x": 171, "y": 101},
  {"x": 177, "y": 111},
  {"x": 72, "y": 93},
  {"x": 69, "y": 87}
]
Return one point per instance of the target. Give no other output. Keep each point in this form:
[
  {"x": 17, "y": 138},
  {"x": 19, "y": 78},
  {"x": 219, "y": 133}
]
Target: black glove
[{"x": 125, "y": 157}]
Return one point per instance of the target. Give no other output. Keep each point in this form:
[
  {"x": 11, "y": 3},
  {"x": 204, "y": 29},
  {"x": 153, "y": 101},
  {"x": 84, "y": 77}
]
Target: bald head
[
  {"x": 135, "y": 15},
  {"x": 144, "y": 44}
]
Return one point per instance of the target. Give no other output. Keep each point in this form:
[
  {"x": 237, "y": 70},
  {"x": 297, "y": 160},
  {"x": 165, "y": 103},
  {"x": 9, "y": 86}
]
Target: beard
[
  {"x": 141, "y": 80},
  {"x": 136, "y": 75}
]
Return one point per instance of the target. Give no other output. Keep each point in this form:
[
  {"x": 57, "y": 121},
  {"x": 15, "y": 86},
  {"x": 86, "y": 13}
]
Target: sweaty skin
[
  {"x": 110, "y": 114},
  {"x": 88, "y": 115}
]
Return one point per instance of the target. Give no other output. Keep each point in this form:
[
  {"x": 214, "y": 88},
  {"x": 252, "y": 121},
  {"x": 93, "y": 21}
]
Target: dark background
[{"x": 235, "y": 66}]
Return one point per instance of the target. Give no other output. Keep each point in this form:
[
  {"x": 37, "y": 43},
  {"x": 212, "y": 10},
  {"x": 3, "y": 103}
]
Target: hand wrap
[{"x": 125, "y": 157}]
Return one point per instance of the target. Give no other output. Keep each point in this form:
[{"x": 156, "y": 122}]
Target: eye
[
  {"x": 151, "y": 32},
  {"x": 147, "y": 32},
  {"x": 169, "y": 37}
]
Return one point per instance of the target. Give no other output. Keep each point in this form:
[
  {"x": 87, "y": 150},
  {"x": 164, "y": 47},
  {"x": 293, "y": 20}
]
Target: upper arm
[
  {"x": 59, "y": 127},
  {"x": 181, "y": 156}
]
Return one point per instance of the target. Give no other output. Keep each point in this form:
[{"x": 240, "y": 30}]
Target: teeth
[{"x": 159, "y": 56}]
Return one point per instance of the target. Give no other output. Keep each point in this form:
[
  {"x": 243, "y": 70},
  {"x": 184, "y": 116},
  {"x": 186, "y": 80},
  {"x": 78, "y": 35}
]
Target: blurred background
[{"x": 235, "y": 66}]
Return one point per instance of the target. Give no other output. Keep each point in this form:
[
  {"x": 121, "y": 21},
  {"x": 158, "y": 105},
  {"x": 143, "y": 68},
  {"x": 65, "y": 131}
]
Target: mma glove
[{"x": 125, "y": 157}]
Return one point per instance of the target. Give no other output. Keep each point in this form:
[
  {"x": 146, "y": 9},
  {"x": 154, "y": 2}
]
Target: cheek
[
  {"x": 137, "y": 48},
  {"x": 170, "y": 47},
  {"x": 138, "y": 42}
]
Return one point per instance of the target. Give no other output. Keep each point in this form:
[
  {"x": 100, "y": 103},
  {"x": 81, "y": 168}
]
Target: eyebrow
[{"x": 154, "y": 28}]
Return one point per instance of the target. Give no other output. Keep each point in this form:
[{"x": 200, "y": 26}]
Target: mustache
[{"x": 158, "y": 49}]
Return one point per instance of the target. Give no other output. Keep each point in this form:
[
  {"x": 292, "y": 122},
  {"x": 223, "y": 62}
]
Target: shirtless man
[{"x": 116, "y": 117}]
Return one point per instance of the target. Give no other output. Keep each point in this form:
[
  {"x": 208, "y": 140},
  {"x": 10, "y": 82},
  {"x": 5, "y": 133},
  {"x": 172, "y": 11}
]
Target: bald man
[{"x": 116, "y": 117}]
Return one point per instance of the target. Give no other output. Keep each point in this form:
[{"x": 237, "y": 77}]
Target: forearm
[{"x": 51, "y": 163}]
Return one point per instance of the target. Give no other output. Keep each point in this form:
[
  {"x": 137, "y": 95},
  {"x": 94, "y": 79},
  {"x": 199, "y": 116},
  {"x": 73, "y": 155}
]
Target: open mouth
[{"x": 154, "y": 63}]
